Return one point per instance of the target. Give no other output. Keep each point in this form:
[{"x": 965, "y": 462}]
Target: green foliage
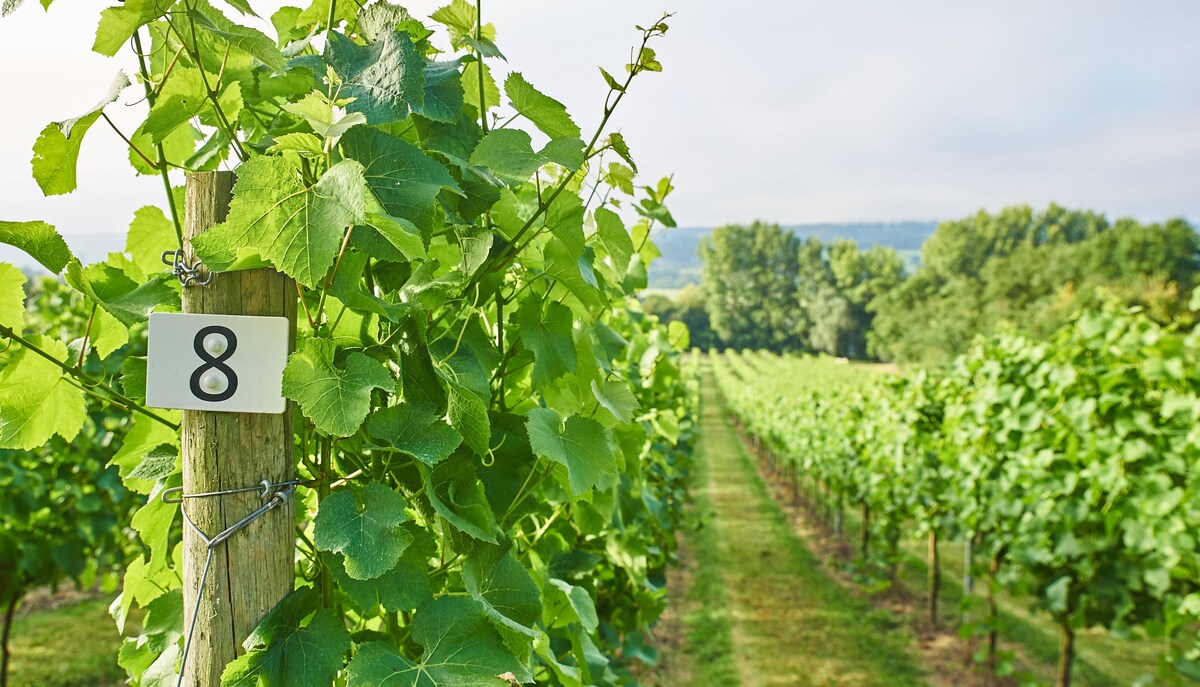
[
  {"x": 364, "y": 526},
  {"x": 491, "y": 428},
  {"x": 687, "y": 307},
  {"x": 65, "y": 515},
  {"x": 749, "y": 286},
  {"x": 1067, "y": 462},
  {"x": 284, "y": 650},
  {"x": 1032, "y": 270},
  {"x": 764, "y": 288},
  {"x": 40, "y": 241},
  {"x": 335, "y": 397}
]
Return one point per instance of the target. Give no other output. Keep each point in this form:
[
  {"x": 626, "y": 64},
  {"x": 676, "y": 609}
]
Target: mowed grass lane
[{"x": 790, "y": 624}]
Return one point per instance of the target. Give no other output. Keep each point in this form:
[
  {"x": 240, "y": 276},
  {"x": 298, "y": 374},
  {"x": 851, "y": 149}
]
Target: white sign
[{"x": 232, "y": 363}]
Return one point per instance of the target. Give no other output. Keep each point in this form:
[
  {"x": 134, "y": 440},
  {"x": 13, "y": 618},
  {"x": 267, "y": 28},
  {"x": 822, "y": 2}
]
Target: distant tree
[
  {"x": 687, "y": 307},
  {"x": 749, "y": 286},
  {"x": 1030, "y": 269},
  {"x": 833, "y": 325}
]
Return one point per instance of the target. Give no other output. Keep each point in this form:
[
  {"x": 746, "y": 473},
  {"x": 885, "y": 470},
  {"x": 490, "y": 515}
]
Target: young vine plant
[{"x": 496, "y": 437}]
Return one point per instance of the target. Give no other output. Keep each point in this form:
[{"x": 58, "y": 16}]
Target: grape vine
[
  {"x": 1067, "y": 465},
  {"x": 494, "y": 436}
]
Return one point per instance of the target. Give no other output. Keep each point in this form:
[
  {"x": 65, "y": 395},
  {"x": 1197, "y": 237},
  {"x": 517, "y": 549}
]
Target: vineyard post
[{"x": 254, "y": 569}]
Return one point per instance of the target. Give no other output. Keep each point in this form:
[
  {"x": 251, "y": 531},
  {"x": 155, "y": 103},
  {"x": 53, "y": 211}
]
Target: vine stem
[
  {"x": 329, "y": 282},
  {"x": 87, "y": 334},
  {"x": 151, "y": 97},
  {"x": 115, "y": 397},
  {"x": 478, "y": 39},
  {"x": 610, "y": 105},
  {"x": 222, "y": 120},
  {"x": 112, "y": 125}
]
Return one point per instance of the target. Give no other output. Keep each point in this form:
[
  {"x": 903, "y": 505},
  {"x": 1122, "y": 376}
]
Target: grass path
[{"x": 789, "y": 623}]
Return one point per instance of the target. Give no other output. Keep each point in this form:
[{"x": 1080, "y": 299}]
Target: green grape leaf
[
  {"x": 468, "y": 414},
  {"x": 12, "y": 297},
  {"x": 402, "y": 588},
  {"x": 244, "y": 38},
  {"x": 118, "y": 24},
  {"x": 150, "y": 235},
  {"x": 319, "y": 10},
  {"x": 158, "y": 464},
  {"x": 115, "y": 291},
  {"x": 141, "y": 587},
  {"x": 443, "y": 99},
  {"x": 567, "y": 152},
  {"x": 319, "y": 112},
  {"x": 461, "y": 648},
  {"x": 336, "y": 398},
  {"x": 283, "y": 650},
  {"x": 36, "y": 400},
  {"x": 612, "y": 82},
  {"x": 301, "y": 142},
  {"x": 614, "y": 237},
  {"x": 178, "y": 148},
  {"x": 402, "y": 234},
  {"x": 365, "y": 527},
  {"x": 385, "y": 77},
  {"x": 153, "y": 523},
  {"x": 456, "y": 494},
  {"x": 404, "y": 179},
  {"x": 504, "y": 589},
  {"x": 468, "y": 373},
  {"x": 380, "y": 18},
  {"x": 133, "y": 377},
  {"x": 616, "y": 397},
  {"x": 545, "y": 112},
  {"x": 298, "y": 228},
  {"x": 578, "y": 600},
  {"x": 415, "y": 429},
  {"x": 548, "y": 336},
  {"x": 582, "y": 445},
  {"x": 108, "y": 334},
  {"x": 56, "y": 155},
  {"x": 617, "y": 142},
  {"x": 573, "y": 271},
  {"x": 40, "y": 240},
  {"x": 470, "y": 84},
  {"x": 183, "y": 97},
  {"x": 458, "y": 17},
  {"x": 508, "y": 154},
  {"x": 144, "y": 436}
]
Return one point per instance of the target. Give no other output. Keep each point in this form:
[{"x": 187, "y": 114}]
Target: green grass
[
  {"x": 72, "y": 646},
  {"x": 707, "y": 626},
  {"x": 791, "y": 624}
]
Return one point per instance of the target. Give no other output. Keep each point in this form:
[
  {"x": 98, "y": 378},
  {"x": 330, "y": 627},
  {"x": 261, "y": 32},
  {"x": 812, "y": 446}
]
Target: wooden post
[{"x": 253, "y": 570}]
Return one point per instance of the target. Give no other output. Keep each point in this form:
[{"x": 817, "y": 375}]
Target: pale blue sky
[{"x": 787, "y": 111}]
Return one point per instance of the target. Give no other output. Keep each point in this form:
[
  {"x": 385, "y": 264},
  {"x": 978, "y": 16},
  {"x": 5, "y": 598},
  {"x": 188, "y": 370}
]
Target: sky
[{"x": 787, "y": 111}]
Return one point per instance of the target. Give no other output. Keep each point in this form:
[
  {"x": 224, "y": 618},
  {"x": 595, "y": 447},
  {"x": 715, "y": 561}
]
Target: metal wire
[{"x": 276, "y": 494}]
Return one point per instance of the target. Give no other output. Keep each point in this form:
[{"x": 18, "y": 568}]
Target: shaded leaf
[
  {"x": 364, "y": 526},
  {"x": 335, "y": 397},
  {"x": 283, "y": 650},
  {"x": 415, "y": 429},
  {"x": 582, "y": 445}
]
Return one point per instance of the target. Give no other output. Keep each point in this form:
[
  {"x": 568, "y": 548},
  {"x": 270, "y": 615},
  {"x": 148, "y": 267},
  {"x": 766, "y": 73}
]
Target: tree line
[{"x": 765, "y": 288}]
